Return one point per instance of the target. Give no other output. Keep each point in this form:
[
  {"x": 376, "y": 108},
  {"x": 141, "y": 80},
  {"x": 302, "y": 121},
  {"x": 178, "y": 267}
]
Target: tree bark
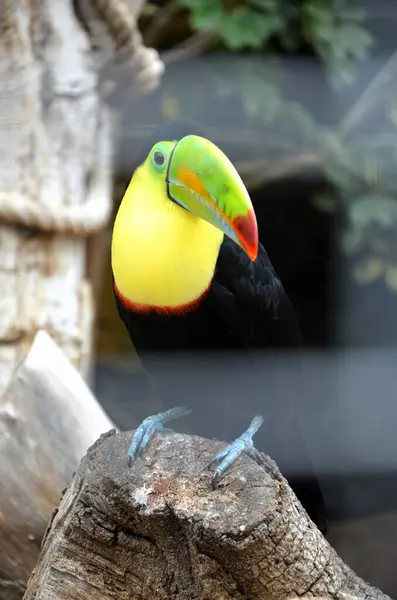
[
  {"x": 48, "y": 419},
  {"x": 55, "y": 141},
  {"x": 159, "y": 531},
  {"x": 56, "y": 147}
]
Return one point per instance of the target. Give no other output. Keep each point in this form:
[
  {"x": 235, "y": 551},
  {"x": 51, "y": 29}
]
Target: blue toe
[
  {"x": 149, "y": 427},
  {"x": 244, "y": 443}
]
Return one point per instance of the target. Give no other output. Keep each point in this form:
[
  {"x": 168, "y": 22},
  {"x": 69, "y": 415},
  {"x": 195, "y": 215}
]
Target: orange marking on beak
[
  {"x": 245, "y": 227},
  {"x": 193, "y": 182}
]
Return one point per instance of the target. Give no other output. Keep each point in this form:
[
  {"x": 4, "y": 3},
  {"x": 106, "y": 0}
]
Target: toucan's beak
[{"x": 201, "y": 179}]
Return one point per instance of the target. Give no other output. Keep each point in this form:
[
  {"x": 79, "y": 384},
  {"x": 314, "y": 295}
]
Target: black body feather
[{"x": 210, "y": 359}]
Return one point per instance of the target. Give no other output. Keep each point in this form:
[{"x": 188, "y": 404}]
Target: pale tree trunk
[{"x": 55, "y": 164}]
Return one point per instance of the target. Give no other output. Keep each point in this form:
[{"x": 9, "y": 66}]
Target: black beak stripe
[{"x": 168, "y": 180}]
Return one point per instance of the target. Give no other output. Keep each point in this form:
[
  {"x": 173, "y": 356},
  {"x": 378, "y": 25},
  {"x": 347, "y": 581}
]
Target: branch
[
  {"x": 368, "y": 100},
  {"x": 258, "y": 174},
  {"x": 194, "y": 46},
  {"x": 156, "y": 27},
  {"x": 160, "y": 531}
]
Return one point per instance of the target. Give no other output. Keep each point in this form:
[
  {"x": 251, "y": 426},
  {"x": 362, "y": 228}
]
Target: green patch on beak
[{"x": 202, "y": 180}]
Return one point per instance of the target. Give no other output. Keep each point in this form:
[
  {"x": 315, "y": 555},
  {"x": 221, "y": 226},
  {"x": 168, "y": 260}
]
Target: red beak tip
[
  {"x": 247, "y": 230},
  {"x": 253, "y": 254}
]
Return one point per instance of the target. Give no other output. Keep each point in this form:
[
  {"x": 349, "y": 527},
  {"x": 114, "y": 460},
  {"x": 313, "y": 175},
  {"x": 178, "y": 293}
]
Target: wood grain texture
[
  {"x": 160, "y": 531},
  {"x": 51, "y": 130},
  {"x": 56, "y": 155},
  {"x": 48, "y": 419}
]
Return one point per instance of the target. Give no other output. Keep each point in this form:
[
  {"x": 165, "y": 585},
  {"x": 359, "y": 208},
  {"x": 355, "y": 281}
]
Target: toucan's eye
[{"x": 158, "y": 158}]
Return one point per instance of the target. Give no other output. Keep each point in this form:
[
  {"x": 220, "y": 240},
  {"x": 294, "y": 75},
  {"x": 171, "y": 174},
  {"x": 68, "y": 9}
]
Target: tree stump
[
  {"x": 48, "y": 419},
  {"x": 160, "y": 531}
]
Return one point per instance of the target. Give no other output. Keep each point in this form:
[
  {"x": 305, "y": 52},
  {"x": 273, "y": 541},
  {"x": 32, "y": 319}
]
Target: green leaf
[
  {"x": 381, "y": 245},
  {"x": 200, "y": 5},
  {"x": 270, "y": 101},
  {"x": 332, "y": 142},
  {"x": 339, "y": 176},
  {"x": 318, "y": 12},
  {"x": 325, "y": 202},
  {"x": 368, "y": 270},
  {"x": 260, "y": 97},
  {"x": 371, "y": 168},
  {"x": 298, "y": 120},
  {"x": 352, "y": 13},
  {"x": 341, "y": 73},
  {"x": 355, "y": 40},
  {"x": 206, "y": 16},
  {"x": 392, "y": 112},
  {"x": 351, "y": 240},
  {"x": 246, "y": 28},
  {"x": 337, "y": 35},
  {"x": 391, "y": 277},
  {"x": 267, "y": 5},
  {"x": 374, "y": 209},
  {"x": 324, "y": 33}
]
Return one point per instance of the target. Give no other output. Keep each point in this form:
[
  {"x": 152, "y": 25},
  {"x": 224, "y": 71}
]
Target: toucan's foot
[
  {"x": 228, "y": 455},
  {"x": 149, "y": 427}
]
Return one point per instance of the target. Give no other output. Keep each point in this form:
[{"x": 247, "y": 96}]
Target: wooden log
[
  {"x": 48, "y": 419},
  {"x": 160, "y": 531}
]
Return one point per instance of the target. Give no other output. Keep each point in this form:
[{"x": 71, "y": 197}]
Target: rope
[
  {"x": 81, "y": 219},
  {"x": 77, "y": 220},
  {"x": 121, "y": 25}
]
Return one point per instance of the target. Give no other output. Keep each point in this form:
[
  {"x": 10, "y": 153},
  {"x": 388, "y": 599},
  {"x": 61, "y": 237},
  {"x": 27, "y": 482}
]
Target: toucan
[{"x": 201, "y": 300}]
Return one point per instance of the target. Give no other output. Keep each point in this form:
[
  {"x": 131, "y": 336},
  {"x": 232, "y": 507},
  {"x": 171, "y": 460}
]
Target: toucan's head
[
  {"x": 199, "y": 178},
  {"x": 181, "y": 200}
]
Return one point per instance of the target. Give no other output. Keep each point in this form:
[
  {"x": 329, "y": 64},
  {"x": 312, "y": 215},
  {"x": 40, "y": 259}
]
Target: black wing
[
  {"x": 253, "y": 304},
  {"x": 251, "y": 300}
]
